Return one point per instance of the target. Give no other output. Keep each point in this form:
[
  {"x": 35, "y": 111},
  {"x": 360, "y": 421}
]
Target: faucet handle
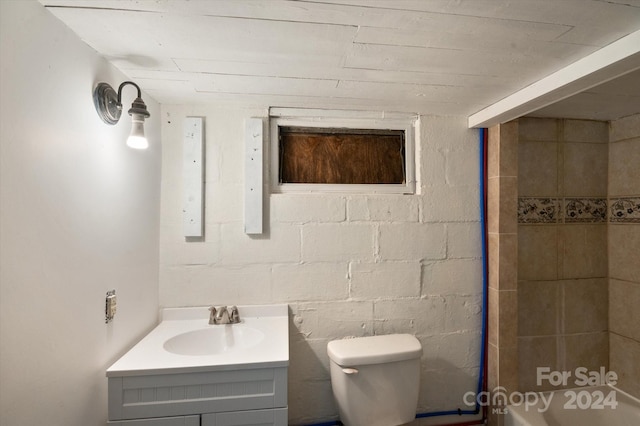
[
  {"x": 212, "y": 315},
  {"x": 234, "y": 316}
]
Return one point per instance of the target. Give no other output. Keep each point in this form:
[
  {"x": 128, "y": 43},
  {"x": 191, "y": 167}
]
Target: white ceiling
[
  {"x": 445, "y": 57},
  {"x": 614, "y": 99}
]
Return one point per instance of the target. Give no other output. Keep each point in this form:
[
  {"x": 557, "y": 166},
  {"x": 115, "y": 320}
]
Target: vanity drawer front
[
  {"x": 165, "y": 421},
  {"x": 139, "y": 397},
  {"x": 273, "y": 417}
]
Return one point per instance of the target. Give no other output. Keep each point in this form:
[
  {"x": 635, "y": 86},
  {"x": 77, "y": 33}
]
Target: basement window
[{"x": 348, "y": 155}]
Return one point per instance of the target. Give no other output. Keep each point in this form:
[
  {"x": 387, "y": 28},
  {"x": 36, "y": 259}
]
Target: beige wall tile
[
  {"x": 537, "y": 169},
  {"x": 494, "y": 260},
  {"x": 493, "y": 204},
  {"x": 625, "y": 128},
  {"x": 493, "y": 152},
  {"x": 583, "y": 251},
  {"x": 493, "y": 380},
  {"x": 585, "y": 169},
  {"x": 492, "y": 366},
  {"x": 538, "y": 129},
  {"x": 502, "y": 369},
  {"x": 624, "y": 308},
  {"x": 507, "y": 318},
  {"x": 586, "y": 131},
  {"x": 508, "y": 368},
  {"x": 502, "y": 204},
  {"x": 624, "y": 355},
  {"x": 494, "y": 316},
  {"x": 503, "y": 317},
  {"x": 538, "y": 304},
  {"x": 534, "y": 352},
  {"x": 590, "y": 350},
  {"x": 508, "y": 205},
  {"x": 509, "y": 149},
  {"x": 624, "y": 243},
  {"x": 495, "y": 418},
  {"x": 585, "y": 305},
  {"x": 508, "y": 262},
  {"x": 624, "y": 177},
  {"x": 502, "y": 150},
  {"x": 537, "y": 252}
]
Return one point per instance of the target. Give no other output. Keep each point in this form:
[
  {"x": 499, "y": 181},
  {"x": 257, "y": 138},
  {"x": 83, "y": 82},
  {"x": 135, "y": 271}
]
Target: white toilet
[{"x": 375, "y": 380}]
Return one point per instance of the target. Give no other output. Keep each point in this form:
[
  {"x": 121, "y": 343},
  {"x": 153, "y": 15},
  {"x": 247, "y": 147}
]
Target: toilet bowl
[{"x": 375, "y": 380}]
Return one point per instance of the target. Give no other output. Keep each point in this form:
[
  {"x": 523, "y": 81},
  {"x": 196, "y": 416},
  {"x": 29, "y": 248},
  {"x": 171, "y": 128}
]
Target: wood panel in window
[{"x": 341, "y": 156}]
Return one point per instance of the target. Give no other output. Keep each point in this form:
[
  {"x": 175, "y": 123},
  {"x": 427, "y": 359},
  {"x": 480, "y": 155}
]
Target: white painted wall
[
  {"x": 79, "y": 216},
  {"x": 348, "y": 265}
]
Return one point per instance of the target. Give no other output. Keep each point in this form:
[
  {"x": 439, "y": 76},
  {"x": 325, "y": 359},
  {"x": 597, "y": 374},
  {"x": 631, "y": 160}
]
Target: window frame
[{"x": 285, "y": 117}]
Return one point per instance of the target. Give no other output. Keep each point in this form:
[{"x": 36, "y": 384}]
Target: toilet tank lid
[{"x": 374, "y": 349}]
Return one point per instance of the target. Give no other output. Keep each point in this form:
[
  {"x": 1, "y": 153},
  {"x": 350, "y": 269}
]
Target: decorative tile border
[
  {"x": 625, "y": 210},
  {"x": 538, "y": 210},
  {"x": 581, "y": 210},
  {"x": 547, "y": 210}
]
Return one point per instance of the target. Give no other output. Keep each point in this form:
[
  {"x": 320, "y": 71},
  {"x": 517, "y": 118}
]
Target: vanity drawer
[
  {"x": 273, "y": 417},
  {"x": 164, "y": 421},
  {"x": 163, "y": 395}
]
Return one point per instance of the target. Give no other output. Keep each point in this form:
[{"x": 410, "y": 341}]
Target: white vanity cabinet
[
  {"x": 189, "y": 373},
  {"x": 240, "y": 397}
]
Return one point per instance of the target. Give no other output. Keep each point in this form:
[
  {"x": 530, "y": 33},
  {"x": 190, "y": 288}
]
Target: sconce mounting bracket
[{"x": 107, "y": 104}]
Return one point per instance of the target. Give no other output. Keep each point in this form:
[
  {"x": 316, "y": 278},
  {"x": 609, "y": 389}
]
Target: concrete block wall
[{"x": 347, "y": 264}]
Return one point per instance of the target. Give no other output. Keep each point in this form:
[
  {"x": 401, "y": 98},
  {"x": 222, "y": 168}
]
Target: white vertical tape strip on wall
[
  {"x": 192, "y": 177},
  {"x": 253, "y": 142}
]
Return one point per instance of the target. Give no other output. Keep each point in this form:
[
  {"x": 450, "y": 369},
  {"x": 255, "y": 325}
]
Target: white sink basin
[
  {"x": 214, "y": 340},
  {"x": 185, "y": 342}
]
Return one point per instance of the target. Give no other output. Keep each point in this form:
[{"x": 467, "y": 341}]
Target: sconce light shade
[
  {"x": 137, "y": 139},
  {"x": 108, "y": 104}
]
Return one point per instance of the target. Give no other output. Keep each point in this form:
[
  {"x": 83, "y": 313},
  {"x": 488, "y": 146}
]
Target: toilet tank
[{"x": 375, "y": 380}]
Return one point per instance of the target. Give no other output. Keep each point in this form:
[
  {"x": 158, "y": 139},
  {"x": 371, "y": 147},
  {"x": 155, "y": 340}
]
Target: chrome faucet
[
  {"x": 224, "y": 315},
  {"x": 212, "y": 315}
]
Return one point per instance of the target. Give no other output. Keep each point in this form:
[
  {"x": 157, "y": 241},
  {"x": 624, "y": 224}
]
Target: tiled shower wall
[
  {"x": 502, "y": 191},
  {"x": 624, "y": 249},
  {"x": 562, "y": 247}
]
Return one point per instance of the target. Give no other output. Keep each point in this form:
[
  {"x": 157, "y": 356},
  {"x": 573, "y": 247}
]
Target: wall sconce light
[{"x": 108, "y": 103}]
